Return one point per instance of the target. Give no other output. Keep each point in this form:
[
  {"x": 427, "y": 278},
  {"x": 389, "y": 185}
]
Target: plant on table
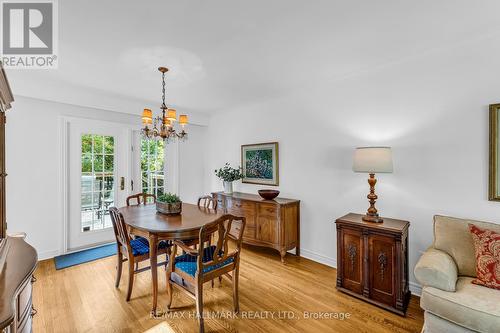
[
  {"x": 228, "y": 175},
  {"x": 168, "y": 198}
]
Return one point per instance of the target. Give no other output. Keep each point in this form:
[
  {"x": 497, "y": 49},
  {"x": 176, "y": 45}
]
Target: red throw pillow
[{"x": 487, "y": 246}]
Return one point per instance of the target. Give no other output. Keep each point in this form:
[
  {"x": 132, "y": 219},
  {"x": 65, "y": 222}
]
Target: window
[
  {"x": 97, "y": 181},
  {"x": 152, "y": 166}
]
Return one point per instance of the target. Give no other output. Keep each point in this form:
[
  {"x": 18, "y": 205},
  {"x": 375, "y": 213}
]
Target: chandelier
[{"x": 162, "y": 127}]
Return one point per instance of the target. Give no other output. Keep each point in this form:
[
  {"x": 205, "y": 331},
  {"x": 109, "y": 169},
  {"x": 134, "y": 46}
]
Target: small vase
[{"x": 228, "y": 187}]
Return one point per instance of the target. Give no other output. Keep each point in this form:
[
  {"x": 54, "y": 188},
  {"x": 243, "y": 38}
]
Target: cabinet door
[
  {"x": 267, "y": 229},
  {"x": 381, "y": 261},
  {"x": 352, "y": 260}
]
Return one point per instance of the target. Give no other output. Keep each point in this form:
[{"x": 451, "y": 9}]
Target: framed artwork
[{"x": 260, "y": 163}]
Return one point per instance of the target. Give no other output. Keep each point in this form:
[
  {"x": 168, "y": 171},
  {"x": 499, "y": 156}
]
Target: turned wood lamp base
[
  {"x": 373, "y": 219},
  {"x": 372, "y": 213}
]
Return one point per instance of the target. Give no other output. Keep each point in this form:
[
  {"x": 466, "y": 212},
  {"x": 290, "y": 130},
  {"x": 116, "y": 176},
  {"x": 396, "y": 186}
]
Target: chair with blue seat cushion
[
  {"x": 137, "y": 200},
  {"x": 197, "y": 266},
  {"x": 132, "y": 250}
]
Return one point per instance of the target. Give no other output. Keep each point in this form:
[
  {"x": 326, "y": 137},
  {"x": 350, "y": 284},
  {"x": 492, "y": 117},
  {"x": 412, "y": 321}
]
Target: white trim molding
[{"x": 317, "y": 257}]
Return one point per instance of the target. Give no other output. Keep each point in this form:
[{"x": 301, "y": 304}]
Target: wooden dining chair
[
  {"x": 204, "y": 202},
  {"x": 137, "y": 197},
  {"x": 132, "y": 250},
  {"x": 204, "y": 264},
  {"x": 207, "y": 201}
]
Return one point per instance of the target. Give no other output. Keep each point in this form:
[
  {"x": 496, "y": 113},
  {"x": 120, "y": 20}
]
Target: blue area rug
[{"x": 81, "y": 257}]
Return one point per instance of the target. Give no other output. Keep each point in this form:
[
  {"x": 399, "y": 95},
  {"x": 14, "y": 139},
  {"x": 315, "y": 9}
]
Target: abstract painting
[{"x": 260, "y": 163}]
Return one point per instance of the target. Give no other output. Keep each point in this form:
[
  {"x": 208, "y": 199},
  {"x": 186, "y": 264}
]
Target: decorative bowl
[
  {"x": 269, "y": 194},
  {"x": 169, "y": 208}
]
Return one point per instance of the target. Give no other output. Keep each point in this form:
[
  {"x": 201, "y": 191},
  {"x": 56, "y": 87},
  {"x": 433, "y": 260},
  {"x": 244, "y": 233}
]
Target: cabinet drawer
[
  {"x": 237, "y": 204},
  {"x": 242, "y": 208},
  {"x": 24, "y": 300},
  {"x": 267, "y": 209}
]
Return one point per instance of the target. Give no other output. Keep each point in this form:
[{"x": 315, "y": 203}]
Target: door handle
[{"x": 122, "y": 183}]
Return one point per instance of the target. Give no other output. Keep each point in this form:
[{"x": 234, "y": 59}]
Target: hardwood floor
[{"x": 83, "y": 299}]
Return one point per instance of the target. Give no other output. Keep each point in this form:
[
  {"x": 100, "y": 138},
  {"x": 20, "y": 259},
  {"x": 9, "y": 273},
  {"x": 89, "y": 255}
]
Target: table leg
[{"x": 153, "y": 259}]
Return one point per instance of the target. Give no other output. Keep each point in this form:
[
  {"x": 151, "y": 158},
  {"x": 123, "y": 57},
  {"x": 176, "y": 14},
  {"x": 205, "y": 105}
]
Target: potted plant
[
  {"x": 169, "y": 203},
  {"x": 228, "y": 175}
]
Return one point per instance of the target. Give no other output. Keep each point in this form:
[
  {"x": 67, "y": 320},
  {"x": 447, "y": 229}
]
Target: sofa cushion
[
  {"x": 472, "y": 306},
  {"x": 452, "y": 236},
  {"x": 487, "y": 246},
  {"x": 436, "y": 324}
]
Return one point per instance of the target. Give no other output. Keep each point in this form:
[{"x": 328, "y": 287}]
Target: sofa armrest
[{"x": 436, "y": 269}]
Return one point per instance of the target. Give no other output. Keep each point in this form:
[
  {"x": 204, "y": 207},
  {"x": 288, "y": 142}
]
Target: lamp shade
[
  {"x": 183, "y": 119},
  {"x": 147, "y": 116},
  {"x": 372, "y": 160},
  {"x": 172, "y": 115}
]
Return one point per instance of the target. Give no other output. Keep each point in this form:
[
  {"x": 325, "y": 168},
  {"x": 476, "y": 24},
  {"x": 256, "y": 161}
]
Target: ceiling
[{"x": 224, "y": 53}]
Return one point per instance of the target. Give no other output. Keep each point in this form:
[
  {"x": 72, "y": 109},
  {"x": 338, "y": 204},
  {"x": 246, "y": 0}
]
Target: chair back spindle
[
  {"x": 207, "y": 201},
  {"x": 119, "y": 227},
  {"x": 140, "y": 198}
]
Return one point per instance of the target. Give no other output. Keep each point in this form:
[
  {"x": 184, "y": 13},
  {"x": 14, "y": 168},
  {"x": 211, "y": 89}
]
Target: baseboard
[
  {"x": 322, "y": 259},
  {"x": 47, "y": 254},
  {"x": 415, "y": 288}
]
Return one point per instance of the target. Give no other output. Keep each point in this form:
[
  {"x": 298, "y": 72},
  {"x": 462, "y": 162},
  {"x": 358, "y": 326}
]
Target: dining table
[{"x": 145, "y": 221}]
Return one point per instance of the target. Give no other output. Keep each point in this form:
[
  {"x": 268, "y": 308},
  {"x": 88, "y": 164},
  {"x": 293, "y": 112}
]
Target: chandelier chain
[{"x": 163, "y": 89}]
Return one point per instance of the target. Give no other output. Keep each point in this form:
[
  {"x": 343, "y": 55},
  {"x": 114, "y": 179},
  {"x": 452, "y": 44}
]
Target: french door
[{"x": 98, "y": 166}]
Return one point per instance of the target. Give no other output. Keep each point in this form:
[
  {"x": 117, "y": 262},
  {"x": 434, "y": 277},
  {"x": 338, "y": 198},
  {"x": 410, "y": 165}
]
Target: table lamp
[{"x": 372, "y": 160}]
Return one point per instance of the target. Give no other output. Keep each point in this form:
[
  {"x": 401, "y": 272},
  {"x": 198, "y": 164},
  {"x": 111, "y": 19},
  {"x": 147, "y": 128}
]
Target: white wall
[
  {"x": 433, "y": 111},
  {"x": 34, "y": 199}
]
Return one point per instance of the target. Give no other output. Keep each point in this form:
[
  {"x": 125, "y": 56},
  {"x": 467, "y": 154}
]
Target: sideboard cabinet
[
  {"x": 372, "y": 261},
  {"x": 269, "y": 223}
]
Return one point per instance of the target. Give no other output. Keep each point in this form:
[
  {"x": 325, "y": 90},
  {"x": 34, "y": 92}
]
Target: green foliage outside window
[{"x": 152, "y": 166}]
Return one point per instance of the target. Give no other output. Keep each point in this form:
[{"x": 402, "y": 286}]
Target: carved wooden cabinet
[
  {"x": 16, "y": 281},
  {"x": 372, "y": 261},
  {"x": 270, "y": 223}
]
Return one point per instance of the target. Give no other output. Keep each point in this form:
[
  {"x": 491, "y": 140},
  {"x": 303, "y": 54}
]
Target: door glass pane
[
  {"x": 108, "y": 162},
  {"x": 152, "y": 166},
  {"x": 97, "y": 181},
  {"x": 109, "y": 145}
]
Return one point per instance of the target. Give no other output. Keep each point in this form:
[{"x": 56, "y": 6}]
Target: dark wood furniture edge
[
  {"x": 257, "y": 198},
  {"x": 23, "y": 261},
  {"x": 379, "y": 304},
  {"x": 374, "y": 226},
  {"x": 6, "y": 98}
]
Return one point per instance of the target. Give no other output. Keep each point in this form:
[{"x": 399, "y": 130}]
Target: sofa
[{"x": 446, "y": 270}]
